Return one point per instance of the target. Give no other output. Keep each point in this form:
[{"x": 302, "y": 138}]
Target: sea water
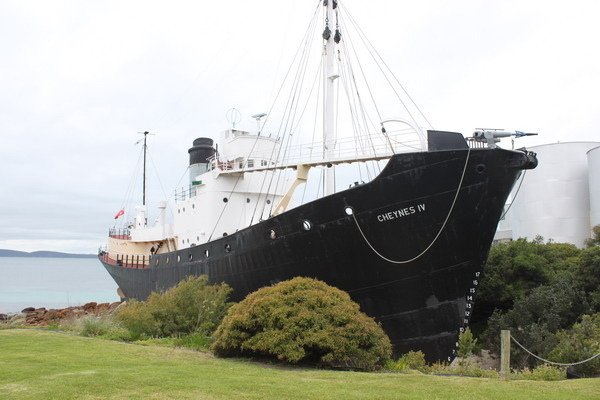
[{"x": 53, "y": 283}]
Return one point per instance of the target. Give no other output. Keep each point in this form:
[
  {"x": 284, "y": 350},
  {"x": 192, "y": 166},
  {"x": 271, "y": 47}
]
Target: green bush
[
  {"x": 514, "y": 269},
  {"x": 536, "y": 319},
  {"x": 579, "y": 343},
  {"x": 542, "y": 373},
  {"x": 191, "y": 306},
  {"x": 413, "y": 360},
  {"x": 194, "y": 341},
  {"x": 303, "y": 321},
  {"x": 466, "y": 344},
  {"x": 105, "y": 327},
  {"x": 474, "y": 371}
]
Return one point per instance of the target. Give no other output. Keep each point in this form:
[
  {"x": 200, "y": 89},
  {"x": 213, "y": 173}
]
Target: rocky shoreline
[{"x": 43, "y": 317}]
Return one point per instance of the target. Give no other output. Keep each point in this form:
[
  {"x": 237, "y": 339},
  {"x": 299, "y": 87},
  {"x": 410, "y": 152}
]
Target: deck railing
[
  {"x": 115, "y": 233},
  {"x": 135, "y": 261}
]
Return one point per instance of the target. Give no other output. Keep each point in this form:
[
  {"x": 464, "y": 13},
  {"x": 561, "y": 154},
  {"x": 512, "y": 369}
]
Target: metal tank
[
  {"x": 554, "y": 199},
  {"x": 593, "y": 158}
]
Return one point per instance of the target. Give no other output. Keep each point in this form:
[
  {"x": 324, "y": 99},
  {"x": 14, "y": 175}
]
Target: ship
[{"x": 408, "y": 245}]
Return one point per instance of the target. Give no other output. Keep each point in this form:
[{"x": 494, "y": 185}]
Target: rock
[
  {"x": 3, "y": 317},
  {"x": 90, "y": 306},
  {"x": 27, "y": 310}
]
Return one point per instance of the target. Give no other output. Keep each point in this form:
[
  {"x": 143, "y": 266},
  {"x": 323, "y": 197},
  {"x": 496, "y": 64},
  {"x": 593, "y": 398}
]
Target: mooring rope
[
  {"x": 552, "y": 362},
  {"x": 514, "y": 197},
  {"x": 436, "y": 236}
]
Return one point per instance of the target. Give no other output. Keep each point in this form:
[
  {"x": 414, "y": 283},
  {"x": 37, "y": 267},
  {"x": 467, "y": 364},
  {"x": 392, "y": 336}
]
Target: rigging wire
[
  {"x": 365, "y": 38},
  {"x": 162, "y": 188},
  {"x": 259, "y": 133},
  {"x": 128, "y": 198},
  {"x": 309, "y": 32},
  {"x": 293, "y": 104}
]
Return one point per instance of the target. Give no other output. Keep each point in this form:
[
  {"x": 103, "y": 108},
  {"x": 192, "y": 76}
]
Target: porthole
[
  {"x": 156, "y": 262},
  {"x": 247, "y": 199},
  {"x": 178, "y": 258},
  {"x": 272, "y": 234},
  {"x": 193, "y": 205},
  {"x": 228, "y": 247},
  {"x": 224, "y": 234},
  {"x": 188, "y": 240},
  {"x": 225, "y": 199},
  {"x": 190, "y": 257},
  {"x": 183, "y": 209},
  {"x": 206, "y": 253},
  {"x": 307, "y": 225},
  {"x": 480, "y": 168},
  {"x": 268, "y": 201},
  {"x": 178, "y": 211},
  {"x": 198, "y": 238},
  {"x": 349, "y": 211},
  {"x": 167, "y": 260}
]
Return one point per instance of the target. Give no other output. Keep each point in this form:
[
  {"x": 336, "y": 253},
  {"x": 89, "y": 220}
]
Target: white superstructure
[{"x": 202, "y": 211}]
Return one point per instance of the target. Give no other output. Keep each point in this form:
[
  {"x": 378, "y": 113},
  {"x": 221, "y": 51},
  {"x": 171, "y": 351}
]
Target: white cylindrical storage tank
[
  {"x": 554, "y": 199},
  {"x": 594, "y": 182}
]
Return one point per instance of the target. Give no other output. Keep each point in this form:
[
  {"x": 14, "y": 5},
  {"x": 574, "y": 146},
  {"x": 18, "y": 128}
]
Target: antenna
[
  {"x": 258, "y": 117},
  {"x": 233, "y": 116},
  {"x": 145, "y": 133}
]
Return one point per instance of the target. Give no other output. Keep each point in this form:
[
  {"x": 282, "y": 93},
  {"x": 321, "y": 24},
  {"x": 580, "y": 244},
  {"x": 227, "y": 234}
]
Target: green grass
[{"x": 50, "y": 365}]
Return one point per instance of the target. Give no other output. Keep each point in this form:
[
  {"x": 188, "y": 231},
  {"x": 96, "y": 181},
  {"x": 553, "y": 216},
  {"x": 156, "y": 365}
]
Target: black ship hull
[{"x": 422, "y": 304}]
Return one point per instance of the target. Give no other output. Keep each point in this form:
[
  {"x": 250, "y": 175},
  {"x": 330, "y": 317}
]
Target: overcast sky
[{"x": 80, "y": 78}]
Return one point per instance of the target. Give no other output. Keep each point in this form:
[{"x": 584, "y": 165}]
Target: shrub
[
  {"x": 513, "y": 269},
  {"x": 413, "y": 360},
  {"x": 466, "y": 344},
  {"x": 191, "y": 306},
  {"x": 535, "y": 319},
  {"x": 542, "y": 373},
  {"x": 579, "y": 343},
  {"x": 303, "y": 321},
  {"x": 194, "y": 341},
  {"x": 474, "y": 371},
  {"x": 104, "y": 327}
]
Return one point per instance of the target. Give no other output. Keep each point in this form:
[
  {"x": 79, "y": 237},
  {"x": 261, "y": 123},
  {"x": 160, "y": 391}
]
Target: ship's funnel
[{"x": 201, "y": 152}]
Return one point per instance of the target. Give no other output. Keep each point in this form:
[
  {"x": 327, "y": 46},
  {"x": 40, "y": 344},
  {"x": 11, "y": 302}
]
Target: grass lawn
[{"x": 48, "y": 365}]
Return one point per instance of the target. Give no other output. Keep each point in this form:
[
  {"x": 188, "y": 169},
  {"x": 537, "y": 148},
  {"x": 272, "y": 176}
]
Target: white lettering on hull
[{"x": 403, "y": 212}]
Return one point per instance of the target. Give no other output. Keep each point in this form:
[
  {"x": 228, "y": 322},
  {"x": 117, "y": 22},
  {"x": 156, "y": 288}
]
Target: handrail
[
  {"x": 119, "y": 233},
  {"x": 135, "y": 261}
]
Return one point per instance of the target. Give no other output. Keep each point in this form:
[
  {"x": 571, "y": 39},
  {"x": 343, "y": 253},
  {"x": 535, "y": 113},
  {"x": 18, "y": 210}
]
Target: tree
[
  {"x": 513, "y": 269},
  {"x": 579, "y": 343},
  {"x": 303, "y": 321},
  {"x": 588, "y": 275},
  {"x": 595, "y": 239},
  {"x": 536, "y": 318}
]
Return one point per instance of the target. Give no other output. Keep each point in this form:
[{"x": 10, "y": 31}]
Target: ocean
[{"x": 53, "y": 283}]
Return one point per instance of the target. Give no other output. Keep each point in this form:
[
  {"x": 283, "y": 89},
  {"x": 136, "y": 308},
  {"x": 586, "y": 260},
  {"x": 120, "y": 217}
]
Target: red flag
[{"x": 121, "y": 212}]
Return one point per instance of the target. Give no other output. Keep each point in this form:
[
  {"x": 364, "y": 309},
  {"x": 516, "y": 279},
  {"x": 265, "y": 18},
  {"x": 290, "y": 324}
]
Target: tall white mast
[{"x": 329, "y": 101}]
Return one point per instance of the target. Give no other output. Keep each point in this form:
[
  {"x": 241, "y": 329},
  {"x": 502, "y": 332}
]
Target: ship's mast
[
  {"x": 144, "y": 178},
  {"x": 329, "y": 78}
]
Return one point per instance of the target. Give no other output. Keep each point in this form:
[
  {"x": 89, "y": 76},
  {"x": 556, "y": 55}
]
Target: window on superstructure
[{"x": 250, "y": 163}]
